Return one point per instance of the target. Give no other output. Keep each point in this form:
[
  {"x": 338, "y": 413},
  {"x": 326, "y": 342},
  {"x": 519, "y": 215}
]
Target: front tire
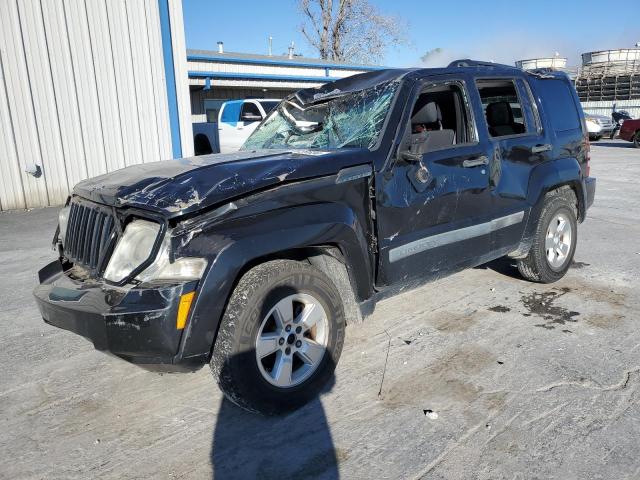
[
  {"x": 280, "y": 338},
  {"x": 636, "y": 140},
  {"x": 555, "y": 239}
]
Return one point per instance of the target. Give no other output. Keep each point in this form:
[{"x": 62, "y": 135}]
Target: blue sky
[{"x": 498, "y": 30}]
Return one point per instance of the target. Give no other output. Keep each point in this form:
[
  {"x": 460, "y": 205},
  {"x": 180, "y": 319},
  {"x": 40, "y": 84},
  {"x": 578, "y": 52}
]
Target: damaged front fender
[{"x": 260, "y": 230}]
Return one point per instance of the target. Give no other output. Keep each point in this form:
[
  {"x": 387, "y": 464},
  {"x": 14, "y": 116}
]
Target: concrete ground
[{"x": 487, "y": 376}]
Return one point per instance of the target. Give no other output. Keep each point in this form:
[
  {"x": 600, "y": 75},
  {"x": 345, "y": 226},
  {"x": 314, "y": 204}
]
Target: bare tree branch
[{"x": 350, "y": 30}]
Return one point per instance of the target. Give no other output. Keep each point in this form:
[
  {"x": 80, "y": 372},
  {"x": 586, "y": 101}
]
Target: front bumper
[{"x": 136, "y": 324}]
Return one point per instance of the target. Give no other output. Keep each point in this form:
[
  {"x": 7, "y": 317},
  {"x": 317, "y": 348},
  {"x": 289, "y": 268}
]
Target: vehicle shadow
[
  {"x": 503, "y": 265},
  {"x": 613, "y": 144},
  {"x": 508, "y": 267},
  {"x": 297, "y": 445}
]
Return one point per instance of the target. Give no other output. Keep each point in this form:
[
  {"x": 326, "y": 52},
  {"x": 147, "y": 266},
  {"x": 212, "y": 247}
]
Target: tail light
[{"x": 587, "y": 155}]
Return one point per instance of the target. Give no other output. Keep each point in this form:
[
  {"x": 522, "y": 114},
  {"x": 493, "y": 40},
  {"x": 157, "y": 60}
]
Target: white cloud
[{"x": 504, "y": 48}]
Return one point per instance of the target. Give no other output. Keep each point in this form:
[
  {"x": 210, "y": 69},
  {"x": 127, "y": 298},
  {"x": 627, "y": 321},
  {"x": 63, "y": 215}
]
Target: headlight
[
  {"x": 133, "y": 248},
  {"x": 182, "y": 269},
  {"x": 63, "y": 220}
]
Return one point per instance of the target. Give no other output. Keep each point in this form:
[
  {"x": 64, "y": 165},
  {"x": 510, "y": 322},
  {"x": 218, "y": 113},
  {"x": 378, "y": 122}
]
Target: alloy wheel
[
  {"x": 292, "y": 340},
  {"x": 558, "y": 241}
]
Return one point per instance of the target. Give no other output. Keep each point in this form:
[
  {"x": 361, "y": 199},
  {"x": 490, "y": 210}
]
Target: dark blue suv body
[{"x": 345, "y": 193}]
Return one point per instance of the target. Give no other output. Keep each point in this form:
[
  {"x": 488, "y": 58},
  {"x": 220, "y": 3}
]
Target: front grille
[{"x": 90, "y": 235}]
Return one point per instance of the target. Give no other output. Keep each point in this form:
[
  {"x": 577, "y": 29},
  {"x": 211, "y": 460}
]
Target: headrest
[
  {"x": 430, "y": 113},
  {"x": 499, "y": 113}
]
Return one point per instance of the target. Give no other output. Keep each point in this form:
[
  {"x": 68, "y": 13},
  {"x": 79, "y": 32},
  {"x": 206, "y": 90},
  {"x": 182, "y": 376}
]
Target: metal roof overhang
[
  {"x": 261, "y": 76},
  {"x": 281, "y": 63}
]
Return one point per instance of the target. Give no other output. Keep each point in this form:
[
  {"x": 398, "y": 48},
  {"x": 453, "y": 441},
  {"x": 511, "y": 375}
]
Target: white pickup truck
[{"x": 238, "y": 119}]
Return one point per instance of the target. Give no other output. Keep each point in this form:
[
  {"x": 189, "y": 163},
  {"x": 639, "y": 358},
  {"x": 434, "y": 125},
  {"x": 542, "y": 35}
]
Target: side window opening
[
  {"x": 250, "y": 113},
  {"x": 440, "y": 119},
  {"x": 502, "y": 108}
]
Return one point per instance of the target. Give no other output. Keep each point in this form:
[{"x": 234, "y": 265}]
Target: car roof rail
[{"x": 467, "y": 62}]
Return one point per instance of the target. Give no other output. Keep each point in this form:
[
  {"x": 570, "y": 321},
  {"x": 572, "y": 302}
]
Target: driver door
[{"x": 434, "y": 207}]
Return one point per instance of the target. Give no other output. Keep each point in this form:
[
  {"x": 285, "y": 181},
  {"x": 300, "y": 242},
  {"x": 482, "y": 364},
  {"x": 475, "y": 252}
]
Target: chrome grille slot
[{"x": 90, "y": 234}]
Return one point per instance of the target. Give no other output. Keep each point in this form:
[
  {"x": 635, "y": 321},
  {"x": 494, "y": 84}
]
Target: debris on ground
[{"x": 430, "y": 414}]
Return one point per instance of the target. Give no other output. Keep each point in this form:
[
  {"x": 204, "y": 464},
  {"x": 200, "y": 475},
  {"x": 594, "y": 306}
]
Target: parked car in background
[
  {"x": 599, "y": 126},
  {"x": 254, "y": 262},
  {"x": 630, "y": 131},
  {"x": 618, "y": 118},
  {"x": 238, "y": 119}
]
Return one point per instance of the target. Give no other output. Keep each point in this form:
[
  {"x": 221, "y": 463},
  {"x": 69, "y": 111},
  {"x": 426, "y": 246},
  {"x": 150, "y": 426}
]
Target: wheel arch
[
  {"x": 554, "y": 175},
  {"x": 546, "y": 178},
  {"x": 335, "y": 242}
]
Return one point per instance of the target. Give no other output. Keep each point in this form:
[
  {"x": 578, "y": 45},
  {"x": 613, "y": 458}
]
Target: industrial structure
[
  {"x": 607, "y": 80},
  {"x": 610, "y": 79},
  {"x": 557, "y": 62},
  {"x": 217, "y": 76},
  {"x": 87, "y": 88}
]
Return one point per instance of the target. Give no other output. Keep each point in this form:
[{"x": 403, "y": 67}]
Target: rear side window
[
  {"x": 558, "y": 104},
  {"x": 502, "y": 108}
]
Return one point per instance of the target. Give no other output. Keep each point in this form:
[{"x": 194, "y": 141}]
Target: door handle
[
  {"x": 476, "y": 162},
  {"x": 541, "y": 148}
]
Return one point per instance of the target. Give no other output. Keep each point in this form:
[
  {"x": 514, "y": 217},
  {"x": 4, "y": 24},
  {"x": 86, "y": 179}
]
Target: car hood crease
[{"x": 178, "y": 187}]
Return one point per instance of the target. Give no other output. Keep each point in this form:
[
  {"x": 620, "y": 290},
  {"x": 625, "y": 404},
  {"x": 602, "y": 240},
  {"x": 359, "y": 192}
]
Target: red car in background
[{"x": 630, "y": 131}]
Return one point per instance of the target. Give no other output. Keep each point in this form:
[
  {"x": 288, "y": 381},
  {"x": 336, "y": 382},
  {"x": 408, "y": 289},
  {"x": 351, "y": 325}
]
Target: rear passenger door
[{"x": 511, "y": 125}]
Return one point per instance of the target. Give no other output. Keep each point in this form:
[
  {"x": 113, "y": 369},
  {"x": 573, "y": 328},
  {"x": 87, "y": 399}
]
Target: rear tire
[
  {"x": 267, "y": 357},
  {"x": 636, "y": 140},
  {"x": 555, "y": 239}
]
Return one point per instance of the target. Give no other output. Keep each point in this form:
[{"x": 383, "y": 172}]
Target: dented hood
[{"x": 178, "y": 187}]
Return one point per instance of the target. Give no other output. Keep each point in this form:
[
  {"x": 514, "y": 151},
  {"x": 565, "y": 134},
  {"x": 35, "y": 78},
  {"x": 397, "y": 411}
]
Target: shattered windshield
[{"x": 353, "y": 119}]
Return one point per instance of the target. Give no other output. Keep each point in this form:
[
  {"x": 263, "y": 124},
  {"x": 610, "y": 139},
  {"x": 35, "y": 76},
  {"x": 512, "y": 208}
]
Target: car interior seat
[
  {"x": 434, "y": 136},
  {"x": 500, "y": 120}
]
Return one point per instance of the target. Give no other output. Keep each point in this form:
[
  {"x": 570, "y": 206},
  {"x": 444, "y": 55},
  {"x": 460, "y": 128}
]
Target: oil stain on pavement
[{"x": 542, "y": 304}]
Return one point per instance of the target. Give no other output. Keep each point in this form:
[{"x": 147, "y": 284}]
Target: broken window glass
[{"x": 354, "y": 119}]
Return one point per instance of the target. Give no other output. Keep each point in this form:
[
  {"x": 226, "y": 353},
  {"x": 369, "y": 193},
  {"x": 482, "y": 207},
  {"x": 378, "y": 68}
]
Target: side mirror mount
[{"x": 410, "y": 156}]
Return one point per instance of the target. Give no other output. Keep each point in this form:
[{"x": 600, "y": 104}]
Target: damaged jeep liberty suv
[{"x": 255, "y": 261}]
